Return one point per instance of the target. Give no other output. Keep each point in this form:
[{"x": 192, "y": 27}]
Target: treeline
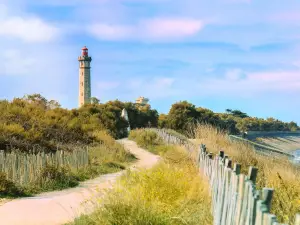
[
  {"x": 183, "y": 115},
  {"x": 33, "y": 122}
]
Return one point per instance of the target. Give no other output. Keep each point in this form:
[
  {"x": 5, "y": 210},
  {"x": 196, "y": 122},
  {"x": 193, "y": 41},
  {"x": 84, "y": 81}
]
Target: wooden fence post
[
  {"x": 252, "y": 174},
  {"x": 240, "y": 198},
  {"x": 267, "y": 196},
  {"x": 228, "y": 163},
  {"x": 237, "y": 168},
  {"x": 221, "y": 154}
]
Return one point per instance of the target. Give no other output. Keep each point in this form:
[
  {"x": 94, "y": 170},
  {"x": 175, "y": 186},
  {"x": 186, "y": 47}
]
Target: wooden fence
[
  {"x": 24, "y": 168},
  {"x": 265, "y": 150},
  {"x": 171, "y": 139},
  {"x": 235, "y": 199}
]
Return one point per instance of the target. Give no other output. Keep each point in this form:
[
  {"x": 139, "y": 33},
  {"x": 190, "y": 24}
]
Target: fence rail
[
  {"x": 235, "y": 199},
  {"x": 24, "y": 168},
  {"x": 261, "y": 148},
  {"x": 171, "y": 139}
]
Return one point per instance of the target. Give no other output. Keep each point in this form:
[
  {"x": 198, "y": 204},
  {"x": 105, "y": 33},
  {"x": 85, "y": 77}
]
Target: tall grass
[
  {"x": 277, "y": 173},
  {"x": 171, "y": 193}
]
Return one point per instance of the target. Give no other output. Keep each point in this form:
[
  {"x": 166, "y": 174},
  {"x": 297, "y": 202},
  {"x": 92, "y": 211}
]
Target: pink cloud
[
  {"x": 276, "y": 77},
  {"x": 173, "y": 27},
  {"x": 286, "y": 17},
  {"x": 110, "y": 32},
  {"x": 150, "y": 29}
]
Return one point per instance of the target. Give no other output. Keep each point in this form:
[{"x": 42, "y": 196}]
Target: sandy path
[{"x": 60, "y": 207}]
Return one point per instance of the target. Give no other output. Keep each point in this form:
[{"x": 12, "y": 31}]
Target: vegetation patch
[
  {"x": 171, "y": 193},
  {"x": 35, "y": 123},
  {"x": 183, "y": 116},
  {"x": 32, "y": 127},
  {"x": 9, "y": 188},
  {"x": 146, "y": 139}
]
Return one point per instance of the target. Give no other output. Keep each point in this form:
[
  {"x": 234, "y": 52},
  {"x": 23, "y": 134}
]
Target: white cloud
[
  {"x": 32, "y": 29},
  {"x": 296, "y": 63},
  {"x": 27, "y": 29},
  {"x": 111, "y": 32},
  {"x": 153, "y": 29}
]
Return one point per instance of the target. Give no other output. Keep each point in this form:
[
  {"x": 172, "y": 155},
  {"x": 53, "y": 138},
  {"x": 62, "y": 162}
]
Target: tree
[
  {"x": 36, "y": 99},
  {"x": 237, "y": 113},
  {"x": 182, "y": 115},
  {"x": 162, "y": 121},
  {"x": 95, "y": 100},
  {"x": 228, "y": 111},
  {"x": 292, "y": 126},
  {"x": 139, "y": 116},
  {"x": 52, "y": 104}
]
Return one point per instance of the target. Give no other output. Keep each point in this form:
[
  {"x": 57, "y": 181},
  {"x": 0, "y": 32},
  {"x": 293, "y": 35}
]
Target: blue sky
[{"x": 218, "y": 54}]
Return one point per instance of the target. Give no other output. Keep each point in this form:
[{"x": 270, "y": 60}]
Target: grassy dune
[
  {"x": 171, "y": 193},
  {"x": 279, "y": 174}
]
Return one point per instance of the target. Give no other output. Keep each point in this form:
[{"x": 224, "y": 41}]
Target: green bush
[
  {"x": 145, "y": 138},
  {"x": 31, "y": 127},
  {"x": 33, "y": 122},
  {"x": 53, "y": 177},
  {"x": 8, "y": 188}
]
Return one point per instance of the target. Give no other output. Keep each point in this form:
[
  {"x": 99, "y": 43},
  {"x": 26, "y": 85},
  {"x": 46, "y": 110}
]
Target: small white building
[{"x": 142, "y": 101}]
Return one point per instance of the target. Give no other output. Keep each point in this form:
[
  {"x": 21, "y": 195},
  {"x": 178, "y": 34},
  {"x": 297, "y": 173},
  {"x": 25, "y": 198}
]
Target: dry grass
[
  {"x": 277, "y": 173},
  {"x": 171, "y": 193}
]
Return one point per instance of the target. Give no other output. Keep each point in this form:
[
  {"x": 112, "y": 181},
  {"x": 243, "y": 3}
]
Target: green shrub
[
  {"x": 145, "y": 138},
  {"x": 32, "y": 125},
  {"x": 8, "y": 188},
  {"x": 53, "y": 178}
]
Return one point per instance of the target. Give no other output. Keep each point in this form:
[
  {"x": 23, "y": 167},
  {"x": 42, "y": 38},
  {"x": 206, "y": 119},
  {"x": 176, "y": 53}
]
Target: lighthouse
[{"x": 84, "y": 77}]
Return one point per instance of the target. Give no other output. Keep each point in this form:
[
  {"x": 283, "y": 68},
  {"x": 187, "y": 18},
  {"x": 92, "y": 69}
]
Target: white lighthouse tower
[{"x": 84, "y": 77}]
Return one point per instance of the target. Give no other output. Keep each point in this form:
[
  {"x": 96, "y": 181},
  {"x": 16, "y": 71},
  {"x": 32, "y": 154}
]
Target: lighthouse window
[
  {"x": 81, "y": 83},
  {"x": 81, "y": 94}
]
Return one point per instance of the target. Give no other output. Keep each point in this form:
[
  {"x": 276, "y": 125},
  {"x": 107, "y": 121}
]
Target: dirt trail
[{"x": 60, "y": 207}]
